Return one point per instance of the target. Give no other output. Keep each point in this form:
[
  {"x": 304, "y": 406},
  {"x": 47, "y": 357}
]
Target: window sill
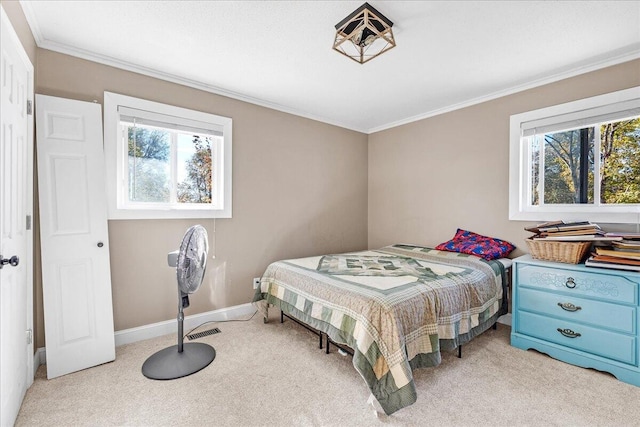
[
  {"x": 124, "y": 214},
  {"x": 578, "y": 213}
]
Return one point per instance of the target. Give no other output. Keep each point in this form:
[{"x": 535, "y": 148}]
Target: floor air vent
[{"x": 203, "y": 333}]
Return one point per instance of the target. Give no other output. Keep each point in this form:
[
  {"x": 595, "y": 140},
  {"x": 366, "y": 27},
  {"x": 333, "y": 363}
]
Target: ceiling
[{"x": 278, "y": 54}]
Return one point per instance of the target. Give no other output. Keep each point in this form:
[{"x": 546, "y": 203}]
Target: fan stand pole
[{"x": 180, "y": 329}]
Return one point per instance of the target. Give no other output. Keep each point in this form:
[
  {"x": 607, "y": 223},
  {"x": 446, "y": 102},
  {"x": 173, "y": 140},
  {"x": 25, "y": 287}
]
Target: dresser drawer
[
  {"x": 604, "y": 343},
  {"x": 603, "y": 287},
  {"x": 600, "y": 314}
]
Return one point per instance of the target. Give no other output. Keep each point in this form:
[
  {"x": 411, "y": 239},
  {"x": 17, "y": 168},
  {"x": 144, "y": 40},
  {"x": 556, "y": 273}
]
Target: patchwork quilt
[{"x": 396, "y": 307}]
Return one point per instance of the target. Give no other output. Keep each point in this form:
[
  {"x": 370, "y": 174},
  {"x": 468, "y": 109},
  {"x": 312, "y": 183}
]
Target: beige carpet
[{"x": 274, "y": 374}]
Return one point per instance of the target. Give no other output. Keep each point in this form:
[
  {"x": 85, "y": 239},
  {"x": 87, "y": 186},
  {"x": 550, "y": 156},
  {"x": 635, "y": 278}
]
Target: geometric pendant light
[{"x": 364, "y": 34}]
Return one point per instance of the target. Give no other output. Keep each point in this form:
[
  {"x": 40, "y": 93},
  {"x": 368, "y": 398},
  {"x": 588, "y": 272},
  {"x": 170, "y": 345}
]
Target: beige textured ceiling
[{"x": 278, "y": 53}]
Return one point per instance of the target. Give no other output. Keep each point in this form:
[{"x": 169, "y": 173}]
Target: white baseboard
[
  {"x": 39, "y": 358},
  {"x": 153, "y": 330},
  {"x": 505, "y": 319}
]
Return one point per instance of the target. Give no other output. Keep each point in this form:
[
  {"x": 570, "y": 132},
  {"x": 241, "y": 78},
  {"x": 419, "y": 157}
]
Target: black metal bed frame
[{"x": 342, "y": 347}]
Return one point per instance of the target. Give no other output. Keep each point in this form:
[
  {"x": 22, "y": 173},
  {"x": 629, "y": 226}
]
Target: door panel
[
  {"x": 75, "y": 247},
  {"x": 77, "y": 324},
  {"x": 68, "y": 183}
]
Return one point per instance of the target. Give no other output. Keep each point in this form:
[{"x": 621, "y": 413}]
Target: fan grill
[{"x": 192, "y": 259}]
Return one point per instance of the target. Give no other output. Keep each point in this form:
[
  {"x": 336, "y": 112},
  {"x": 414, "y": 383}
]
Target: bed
[{"x": 397, "y": 307}]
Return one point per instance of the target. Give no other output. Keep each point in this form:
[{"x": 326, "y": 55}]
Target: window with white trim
[
  {"x": 165, "y": 161},
  {"x": 579, "y": 160}
]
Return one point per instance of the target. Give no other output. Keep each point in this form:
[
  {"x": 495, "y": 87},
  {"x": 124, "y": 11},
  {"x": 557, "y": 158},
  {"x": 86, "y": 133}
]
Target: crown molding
[
  {"x": 619, "y": 58},
  {"x": 150, "y": 72}
]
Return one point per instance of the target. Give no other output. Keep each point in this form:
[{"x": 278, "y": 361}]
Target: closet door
[{"x": 76, "y": 274}]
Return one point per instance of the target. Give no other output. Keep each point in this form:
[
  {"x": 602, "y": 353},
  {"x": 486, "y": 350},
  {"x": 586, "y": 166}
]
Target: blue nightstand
[{"x": 584, "y": 316}]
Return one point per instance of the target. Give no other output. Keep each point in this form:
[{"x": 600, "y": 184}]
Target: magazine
[{"x": 591, "y": 262}]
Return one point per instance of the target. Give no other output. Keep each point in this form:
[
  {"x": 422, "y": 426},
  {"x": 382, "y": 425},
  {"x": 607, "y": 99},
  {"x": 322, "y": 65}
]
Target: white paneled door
[
  {"x": 76, "y": 278},
  {"x": 16, "y": 237}
]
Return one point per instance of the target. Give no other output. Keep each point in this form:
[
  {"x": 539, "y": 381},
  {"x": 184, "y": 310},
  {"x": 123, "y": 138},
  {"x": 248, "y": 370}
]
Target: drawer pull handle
[
  {"x": 569, "y": 333},
  {"x": 569, "y": 307},
  {"x": 570, "y": 283}
]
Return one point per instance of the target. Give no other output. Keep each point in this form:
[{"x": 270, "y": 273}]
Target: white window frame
[
  {"x": 117, "y": 166},
  {"x": 555, "y": 117}
]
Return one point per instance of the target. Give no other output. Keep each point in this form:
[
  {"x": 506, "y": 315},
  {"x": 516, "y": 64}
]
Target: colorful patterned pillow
[{"x": 467, "y": 242}]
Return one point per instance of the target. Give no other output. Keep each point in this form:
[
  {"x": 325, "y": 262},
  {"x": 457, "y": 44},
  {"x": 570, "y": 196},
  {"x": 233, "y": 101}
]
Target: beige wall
[
  {"x": 299, "y": 188},
  {"x": 20, "y": 25},
  {"x": 430, "y": 177}
]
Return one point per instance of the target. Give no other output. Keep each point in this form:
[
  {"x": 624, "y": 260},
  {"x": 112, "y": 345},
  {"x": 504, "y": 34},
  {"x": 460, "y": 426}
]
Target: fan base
[{"x": 169, "y": 364}]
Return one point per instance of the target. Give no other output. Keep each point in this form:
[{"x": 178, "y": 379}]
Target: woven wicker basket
[{"x": 568, "y": 252}]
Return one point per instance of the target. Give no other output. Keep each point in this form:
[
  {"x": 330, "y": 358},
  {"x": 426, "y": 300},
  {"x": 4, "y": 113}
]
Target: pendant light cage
[{"x": 364, "y": 34}]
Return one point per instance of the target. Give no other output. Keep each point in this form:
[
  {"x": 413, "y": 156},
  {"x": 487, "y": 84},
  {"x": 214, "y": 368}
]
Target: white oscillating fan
[{"x": 184, "y": 359}]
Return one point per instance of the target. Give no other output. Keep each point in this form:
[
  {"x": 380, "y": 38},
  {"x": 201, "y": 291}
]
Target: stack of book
[
  {"x": 622, "y": 255},
  {"x": 575, "y": 231}
]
